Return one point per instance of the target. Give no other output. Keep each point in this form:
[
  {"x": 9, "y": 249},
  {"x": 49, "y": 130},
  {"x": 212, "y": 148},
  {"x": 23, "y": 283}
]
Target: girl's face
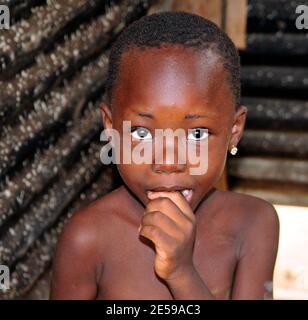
[{"x": 174, "y": 87}]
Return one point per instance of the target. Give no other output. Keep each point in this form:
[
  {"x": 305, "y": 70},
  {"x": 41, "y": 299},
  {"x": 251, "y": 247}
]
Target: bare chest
[{"x": 129, "y": 267}]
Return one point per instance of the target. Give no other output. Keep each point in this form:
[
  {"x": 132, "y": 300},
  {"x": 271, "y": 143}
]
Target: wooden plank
[
  {"x": 275, "y": 77},
  {"x": 269, "y": 169},
  {"x": 280, "y": 44},
  {"x": 274, "y": 192},
  {"x": 271, "y": 10},
  {"x": 274, "y": 143},
  {"x": 209, "y": 9},
  {"x": 267, "y": 113},
  {"x": 236, "y": 21}
]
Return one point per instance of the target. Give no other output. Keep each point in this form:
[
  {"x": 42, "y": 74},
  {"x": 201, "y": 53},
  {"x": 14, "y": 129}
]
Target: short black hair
[{"x": 175, "y": 27}]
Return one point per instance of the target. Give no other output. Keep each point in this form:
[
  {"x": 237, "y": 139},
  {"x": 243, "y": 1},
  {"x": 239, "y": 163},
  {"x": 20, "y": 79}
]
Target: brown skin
[{"x": 221, "y": 245}]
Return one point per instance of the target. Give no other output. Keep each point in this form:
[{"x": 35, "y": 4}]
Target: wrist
[
  {"x": 189, "y": 285},
  {"x": 182, "y": 275}
]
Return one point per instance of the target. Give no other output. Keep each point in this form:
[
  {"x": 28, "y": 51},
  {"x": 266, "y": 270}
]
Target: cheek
[
  {"x": 217, "y": 162},
  {"x": 216, "y": 159},
  {"x": 218, "y": 147},
  {"x": 126, "y": 170},
  {"x": 134, "y": 178},
  {"x": 133, "y": 175}
]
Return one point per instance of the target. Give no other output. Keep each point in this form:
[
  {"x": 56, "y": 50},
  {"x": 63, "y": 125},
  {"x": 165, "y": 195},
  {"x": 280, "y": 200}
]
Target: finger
[
  {"x": 165, "y": 223},
  {"x": 164, "y": 244},
  {"x": 177, "y": 198},
  {"x": 169, "y": 208}
]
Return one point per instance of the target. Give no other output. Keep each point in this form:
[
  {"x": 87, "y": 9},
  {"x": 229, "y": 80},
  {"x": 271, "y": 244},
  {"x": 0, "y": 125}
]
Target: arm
[
  {"x": 189, "y": 286},
  {"x": 74, "y": 272},
  {"x": 254, "y": 273}
]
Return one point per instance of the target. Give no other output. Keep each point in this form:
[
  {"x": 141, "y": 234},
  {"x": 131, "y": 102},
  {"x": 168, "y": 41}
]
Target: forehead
[{"x": 171, "y": 76}]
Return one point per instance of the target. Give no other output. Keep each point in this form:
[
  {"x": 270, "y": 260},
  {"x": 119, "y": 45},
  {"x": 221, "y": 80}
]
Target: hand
[{"x": 169, "y": 223}]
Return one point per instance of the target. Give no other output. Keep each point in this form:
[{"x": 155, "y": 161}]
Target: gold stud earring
[{"x": 233, "y": 150}]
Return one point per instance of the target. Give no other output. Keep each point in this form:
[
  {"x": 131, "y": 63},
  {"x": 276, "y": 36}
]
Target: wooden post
[
  {"x": 230, "y": 15},
  {"x": 236, "y": 21},
  {"x": 210, "y": 9}
]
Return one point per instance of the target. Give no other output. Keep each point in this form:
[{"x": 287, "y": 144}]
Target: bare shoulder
[
  {"x": 254, "y": 210},
  {"x": 87, "y": 224},
  {"x": 253, "y": 218},
  {"x": 247, "y": 208},
  {"x": 87, "y": 231},
  {"x": 80, "y": 251}
]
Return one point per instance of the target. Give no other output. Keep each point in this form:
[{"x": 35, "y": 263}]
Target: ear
[
  {"x": 238, "y": 126},
  {"x": 106, "y": 115}
]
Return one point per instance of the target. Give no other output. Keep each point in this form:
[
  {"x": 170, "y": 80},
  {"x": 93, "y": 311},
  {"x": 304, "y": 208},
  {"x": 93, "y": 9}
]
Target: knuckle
[
  {"x": 153, "y": 231},
  {"x": 156, "y": 216},
  {"x": 163, "y": 200}
]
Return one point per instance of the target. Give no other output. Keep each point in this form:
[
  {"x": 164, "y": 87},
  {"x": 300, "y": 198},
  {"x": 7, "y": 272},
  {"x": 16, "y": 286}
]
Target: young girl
[{"x": 167, "y": 233}]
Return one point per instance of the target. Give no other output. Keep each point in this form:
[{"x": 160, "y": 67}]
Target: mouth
[{"x": 186, "y": 192}]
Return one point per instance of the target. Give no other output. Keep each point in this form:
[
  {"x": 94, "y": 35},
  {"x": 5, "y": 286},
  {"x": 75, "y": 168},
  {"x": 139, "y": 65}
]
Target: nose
[
  {"x": 168, "y": 168},
  {"x": 168, "y": 160}
]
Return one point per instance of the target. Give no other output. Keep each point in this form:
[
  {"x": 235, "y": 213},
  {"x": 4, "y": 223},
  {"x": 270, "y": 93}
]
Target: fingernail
[{"x": 139, "y": 228}]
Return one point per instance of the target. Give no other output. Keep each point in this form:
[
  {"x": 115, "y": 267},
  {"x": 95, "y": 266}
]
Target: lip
[
  {"x": 168, "y": 188},
  {"x": 188, "y": 196}
]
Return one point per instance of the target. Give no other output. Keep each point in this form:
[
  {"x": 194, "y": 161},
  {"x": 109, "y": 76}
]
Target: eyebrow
[
  {"x": 195, "y": 116},
  {"x": 146, "y": 115},
  {"x": 188, "y": 116}
]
